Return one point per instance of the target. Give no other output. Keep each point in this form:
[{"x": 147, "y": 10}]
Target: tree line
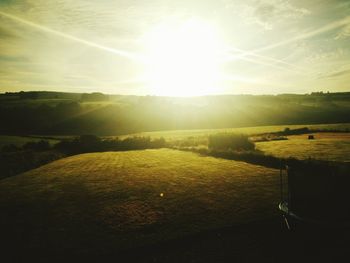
[{"x": 149, "y": 114}]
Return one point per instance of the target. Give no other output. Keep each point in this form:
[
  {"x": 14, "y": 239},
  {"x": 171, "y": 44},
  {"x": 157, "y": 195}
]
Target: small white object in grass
[{"x": 161, "y": 194}]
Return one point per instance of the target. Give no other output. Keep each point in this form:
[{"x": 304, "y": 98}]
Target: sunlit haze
[
  {"x": 183, "y": 59},
  {"x": 179, "y": 48}
]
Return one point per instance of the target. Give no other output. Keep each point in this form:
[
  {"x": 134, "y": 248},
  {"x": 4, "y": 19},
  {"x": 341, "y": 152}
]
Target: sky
[{"x": 180, "y": 48}]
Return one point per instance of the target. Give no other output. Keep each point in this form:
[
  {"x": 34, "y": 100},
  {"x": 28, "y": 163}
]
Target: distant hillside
[{"x": 97, "y": 113}]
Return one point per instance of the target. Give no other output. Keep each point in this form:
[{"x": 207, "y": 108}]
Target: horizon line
[{"x": 183, "y": 97}]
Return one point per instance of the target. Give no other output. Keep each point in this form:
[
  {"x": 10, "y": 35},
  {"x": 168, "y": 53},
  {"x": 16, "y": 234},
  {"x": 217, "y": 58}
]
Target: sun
[{"x": 183, "y": 59}]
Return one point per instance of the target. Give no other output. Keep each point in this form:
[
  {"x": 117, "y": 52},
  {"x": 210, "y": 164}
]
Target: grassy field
[
  {"x": 200, "y": 134},
  {"x": 182, "y": 134},
  {"x": 325, "y": 146},
  {"x": 98, "y": 202},
  {"x": 20, "y": 140}
]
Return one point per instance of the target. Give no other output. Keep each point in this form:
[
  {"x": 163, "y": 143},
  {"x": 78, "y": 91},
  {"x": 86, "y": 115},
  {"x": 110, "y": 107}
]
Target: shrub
[
  {"x": 37, "y": 146},
  {"x": 226, "y": 141},
  {"x": 288, "y": 131},
  {"x": 88, "y": 143},
  {"x": 10, "y": 148},
  {"x": 92, "y": 143},
  {"x": 158, "y": 143},
  {"x": 81, "y": 144}
]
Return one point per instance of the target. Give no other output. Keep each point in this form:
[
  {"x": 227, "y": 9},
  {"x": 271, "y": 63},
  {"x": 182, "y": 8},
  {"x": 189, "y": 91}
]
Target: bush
[
  {"x": 226, "y": 141},
  {"x": 37, "y": 146},
  {"x": 158, "y": 143},
  {"x": 288, "y": 131},
  {"x": 92, "y": 143},
  {"x": 88, "y": 143},
  {"x": 10, "y": 148},
  {"x": 81, "y": 144}
]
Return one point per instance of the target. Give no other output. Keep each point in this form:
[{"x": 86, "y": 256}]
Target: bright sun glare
[{"x": 183, "y": 59}]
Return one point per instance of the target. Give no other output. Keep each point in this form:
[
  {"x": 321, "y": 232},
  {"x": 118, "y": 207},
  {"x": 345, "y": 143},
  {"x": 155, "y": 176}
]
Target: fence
[{"x": 316, "y": 192}]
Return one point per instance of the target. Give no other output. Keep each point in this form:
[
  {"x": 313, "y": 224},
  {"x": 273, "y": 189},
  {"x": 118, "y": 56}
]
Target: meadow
[
  {"x": 325, "y": 146},
  {"x": 200, "y": 133},
  {"x": 22, "y": 153},
  {"x": 174, "y": 131},
  {"x": 117, "y": 199},
  {"x": 328, "y": 145},
  {"x": 113, "y": 201},
  {"x": 173, "y": 136}
]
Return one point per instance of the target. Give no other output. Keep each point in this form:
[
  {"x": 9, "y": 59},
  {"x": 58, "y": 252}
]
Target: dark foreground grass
[
  {"x": 99, "y": 204},
  {"x": 265, "y": 240},
  {"x": 153, "y": 206}
]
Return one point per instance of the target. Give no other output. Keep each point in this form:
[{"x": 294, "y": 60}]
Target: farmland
[
  {"x": 325, "y": 146},
  {"x": 116, "y": 199},
  {"x": 174, "y": 131},
  {"x": 332, "y": 145},
  {"x": 128, "y": 199},
  {"x": 182, "y": 134}
]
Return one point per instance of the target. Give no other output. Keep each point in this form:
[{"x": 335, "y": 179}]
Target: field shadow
[{"x": 265, "y": 240}]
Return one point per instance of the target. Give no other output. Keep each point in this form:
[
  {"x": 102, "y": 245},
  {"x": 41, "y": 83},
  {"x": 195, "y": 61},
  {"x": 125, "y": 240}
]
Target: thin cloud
[
  {"x": 309, "y": 34},
  {"x": 268, "y": 13},
  {"x": 344, "y": 32},
  {"x": 118, "y": 52},
  {"x": 338, "y": 74}
]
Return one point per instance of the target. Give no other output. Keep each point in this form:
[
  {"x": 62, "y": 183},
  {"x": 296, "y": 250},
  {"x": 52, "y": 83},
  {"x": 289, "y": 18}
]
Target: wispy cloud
[
  {"x": 337, "y": 73},
  {"x": 344, "y": 32},
  {"x": 269, "y": 13}
]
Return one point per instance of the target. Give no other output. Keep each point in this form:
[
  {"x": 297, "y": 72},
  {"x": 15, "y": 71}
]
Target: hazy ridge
[{"x": 97, "y": 113}]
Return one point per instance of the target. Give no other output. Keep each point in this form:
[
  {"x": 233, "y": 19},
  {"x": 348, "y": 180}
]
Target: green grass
[
  {"x": 331, "y": 148},
  {"x": 182, "y": 134},
  {"x": 115, "y": 200},
  {"x": 325, "y": 146},
  {"x": 20, "y": 141}
]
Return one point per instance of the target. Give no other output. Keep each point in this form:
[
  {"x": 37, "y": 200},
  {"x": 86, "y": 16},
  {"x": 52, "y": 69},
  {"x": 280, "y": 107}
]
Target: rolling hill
[
  {"x": 49, "y": 113},
  {"x": 91, "y": 204}
]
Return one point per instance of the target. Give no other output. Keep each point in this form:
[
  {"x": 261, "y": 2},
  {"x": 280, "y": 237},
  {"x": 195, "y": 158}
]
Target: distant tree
[
  {"x": 288, "y": 131},
  {"x": 92, "y": 143},
  {"x": 89, "y": 139},
  {"x": 41, "y": 145},
  {"x": 226, "y": 141},
  {"x": 158, "y": 143}
]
